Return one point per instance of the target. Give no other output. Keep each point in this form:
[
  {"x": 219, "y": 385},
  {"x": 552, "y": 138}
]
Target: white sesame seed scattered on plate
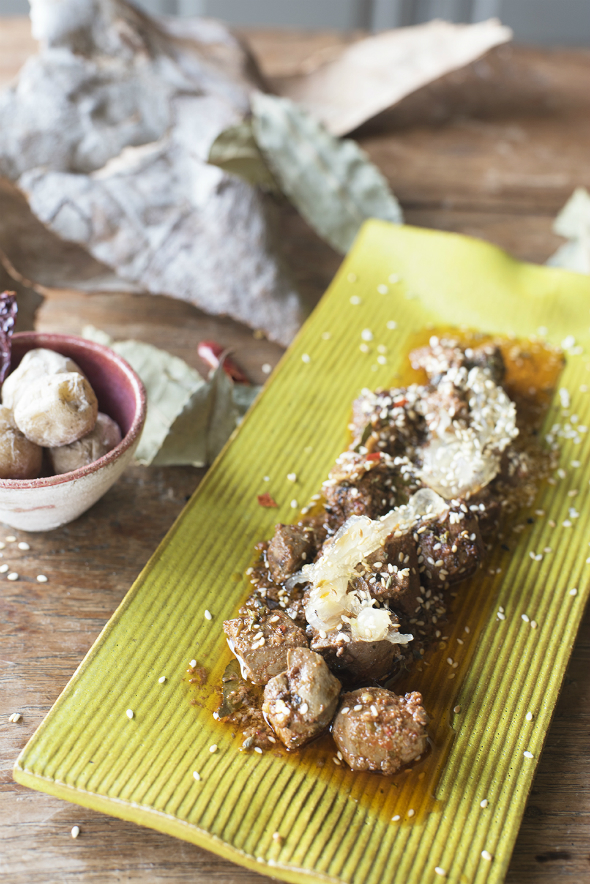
[
  {"x": 162, "y": 679},
  {"x": 484, "y": 803},
  {"x": 292, "y": 477},
  {"x": 382, "y": 289},
  {"x": 501, "y": 616},
  {"x": 382, "y": 360},
  {"x": 529, "y": 716},
  {"x": 485, "y": 854},
  {"x": 411, "y": 812},
  {"x": 23, "y": 545},
  {"x": 528, "y": 754},
  {"x": 533, "y": 624},
  {"x": 3, "y": 569},
  {"x": 394, "y": 819},
  {"x": 367, "y": 334},
  {"x": 266, "y": 478},
  {"x": 526, "y": 618},
  {"x": 2, "y": 545},
  {"x": 355, "y": 300},
  {"x": 440, "y": 871},
  {"x": 266, "y": 368},
  {"x": 196, "y": 776},
  {"x": 41, "y": 578},
  {"x": 573, "y": 591},
  {"x": 467, "y": 629},
  {"x": 192, "y": 664},
  {"x": 294, "y": 504},
  {"x": 326, "y": 336},
  {"x": 258, "y": 749},
  {"x": 12, "y": 576},
  {"x": 75, "y": 831},
  {"x": 213, "y": 748},
  {"x": 351, "y": 277},
  {"x": 276, "y": 836},
  {"x": 394, "y": 277},
  {"x": 457, "y": 710},
  {"x": 208, "y": 615},
  {"x": 130, "y": 713},
  {"x": 305, "y": 357},
  {"x": 391, "y": 325},
  {"x": 364, "y": 348},
  {"x": 10, "y": 539}
]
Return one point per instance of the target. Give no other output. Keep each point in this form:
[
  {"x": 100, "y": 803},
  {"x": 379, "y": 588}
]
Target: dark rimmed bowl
[{"x": 50, "y": 501}]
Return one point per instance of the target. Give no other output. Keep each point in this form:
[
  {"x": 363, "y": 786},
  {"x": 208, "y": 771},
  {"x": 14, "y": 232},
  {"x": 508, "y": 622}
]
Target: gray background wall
[{"x": 549, "y": 22}]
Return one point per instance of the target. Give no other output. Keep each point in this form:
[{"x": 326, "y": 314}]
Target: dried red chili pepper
[
  {"x": 266, "y": 500},
  {"x": 376, "y": 455},
  {"x": 213, "y": 353},
  {"x": 8, "y": 311}
]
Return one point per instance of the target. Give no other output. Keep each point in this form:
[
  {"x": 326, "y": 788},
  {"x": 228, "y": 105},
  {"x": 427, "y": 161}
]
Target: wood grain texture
[{"x": 531, "y": 128}]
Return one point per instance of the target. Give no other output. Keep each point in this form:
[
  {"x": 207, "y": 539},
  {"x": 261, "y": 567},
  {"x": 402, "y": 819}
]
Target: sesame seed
[
  {"x": 266, "y": 368},
  {"x": 357, "y": 708},
  {"x": 485, "y": 854},
  {"x": 303, "y": 708},
  {"x": 213, "y": 748},
  {"x": 566, "y": 523},
  {"x": 41, "y": 578},
  {"x": 305, "y": 357},
  {"x": 452, "y": 675},
  {"x": 467, "y": 629},
  {"x": 457, "y": 710},
  {"x": 2, "y": 545},
  {"x": 573, "y": 591},
  {"x": 528, "y": 754},
  {"x": 10, "y": 539},
  {"x": 258, "y": 749},
  {"x": 355, "y": 300},
  {"x": 276, "y": 836},
  {"x": 294, "y": 504},
  {"x": 351, "y": 277},
  {"x": 533, "y": 624},
  {"x": 364, "y": 348},
  {"x": 483, "y": 803},
  {"x": 501, "y": 616},
  {"x": 3, "y": 569},
  {"x": 391, "y": 325},
  {"x": 196, "y": 776},
  {"x": 23, "y": 545},
  {"x": 529, "y": 716},
  {"x": 336, "y": 760},
  {"x": 75, "y": 831},
  {"x": 526, "y": 618},
  {"x": 162, "y": 679},
  {"x": 208, "y": 615},
  {"x": 12, "y": 576},
  {"x": 450, "y": 661},
  {"x": 367, "y": 334},
  {"x": 130, "y": 713},
  {"x": 292, "y": 477},
  {"x": 394, "y": 819},
  {"x": 192, "y": 664},
  {"x": 382, "y": 360},
  {"x": 440, "y": 871},
  {"x": 15, "y": 717},
  {"x": 411, "y": 812},
  {"x": 382, "y": 289}
]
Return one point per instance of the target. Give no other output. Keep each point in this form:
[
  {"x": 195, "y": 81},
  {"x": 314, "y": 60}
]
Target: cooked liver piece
[
  {"x": 301, "y": 702},
  {"x": 261, "y": 643},
  {"x": 397, "y": 578},
  {"x": 450, "y": 549},
  {"x": 377, "y": 730},
  {"x": 290, "y": 548},
  {"x": 365, "y": 661},
  {"x": 360, "y": 485}
]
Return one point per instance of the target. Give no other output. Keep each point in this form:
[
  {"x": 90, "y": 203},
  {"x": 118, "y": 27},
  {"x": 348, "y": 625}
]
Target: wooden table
[{"x": 493, "y": 151}]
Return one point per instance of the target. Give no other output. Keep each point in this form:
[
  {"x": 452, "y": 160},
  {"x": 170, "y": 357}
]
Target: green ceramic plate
[{"x": 303, "y": 816}]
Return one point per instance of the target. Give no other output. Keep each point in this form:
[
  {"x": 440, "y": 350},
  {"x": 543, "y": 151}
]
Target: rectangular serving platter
[{"x": 286, "y": 817}]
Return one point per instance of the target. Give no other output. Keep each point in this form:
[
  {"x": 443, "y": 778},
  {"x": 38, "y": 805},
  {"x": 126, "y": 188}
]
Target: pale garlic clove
[
  {"x": 34, "y": 365},
  {"x": 19, "y": 458},
  {"x": 57, "y": 409},
  {"x": 105, "y": 435}
]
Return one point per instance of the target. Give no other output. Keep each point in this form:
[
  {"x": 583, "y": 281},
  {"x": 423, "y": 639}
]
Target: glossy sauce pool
[{"x": 532, "y": 372}]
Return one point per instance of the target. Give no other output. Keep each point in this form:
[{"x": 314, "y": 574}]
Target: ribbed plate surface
[{"x": 89, "y": 752}]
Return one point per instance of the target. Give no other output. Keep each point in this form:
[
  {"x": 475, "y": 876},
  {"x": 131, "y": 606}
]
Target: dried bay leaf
[
  {"x": 235, "y": 150},
  {"x": 331, "y": 182},
  {"x": 573, "y": 223},
  {"x": 189, "y": 419}
]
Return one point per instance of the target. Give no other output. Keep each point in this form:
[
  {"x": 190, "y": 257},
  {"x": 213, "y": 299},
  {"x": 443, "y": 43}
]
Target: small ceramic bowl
[{"x": 51, "y": 501}]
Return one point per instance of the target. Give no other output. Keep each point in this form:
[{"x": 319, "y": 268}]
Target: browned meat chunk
[
  {"x": 301, "y": 702},
  {"x": 450, "y": 549},
  {"x": 444, "y": 406},
  {"x": 489, "y": 357},
  {"x": 261, "y": 643},
  {"x": 392, "y": 574},
  {"x": 368, "y": 661},
  {"x": 388, "y": 420},
  {"x": 377, "y": 730},
  {"x": 290, "y": 548},
  {"x": 360, "y": 485}
]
